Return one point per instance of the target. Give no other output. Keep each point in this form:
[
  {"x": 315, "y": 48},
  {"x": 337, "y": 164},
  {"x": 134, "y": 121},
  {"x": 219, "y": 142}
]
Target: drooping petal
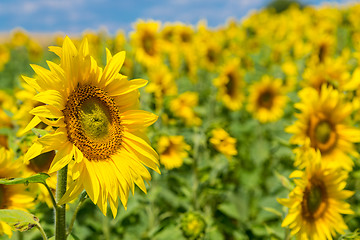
[{"x": 62, "y": 158}]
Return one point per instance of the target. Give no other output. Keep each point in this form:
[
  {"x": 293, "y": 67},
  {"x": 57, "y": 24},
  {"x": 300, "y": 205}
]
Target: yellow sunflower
[
  {"x": 4, "y": 55},
  {"x": 12, "y": 196},
  {"x": 267, "y": 99},
  {"x": 172, "y": 150},
  {"x": 161, "y": 83},
  {"x": 99, "y": 130},
  {"x": 317, "y": 201},
  {"x": 183, "y": 107},
  {"x": 230, "y": 85},
  {"x": 146, "y": 40},
  {"x": 323, "y": 123},
  {"x": 223, "y": 142}
]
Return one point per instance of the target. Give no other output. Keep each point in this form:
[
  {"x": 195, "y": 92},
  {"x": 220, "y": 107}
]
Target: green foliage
[{"x": 37, "y": 178}]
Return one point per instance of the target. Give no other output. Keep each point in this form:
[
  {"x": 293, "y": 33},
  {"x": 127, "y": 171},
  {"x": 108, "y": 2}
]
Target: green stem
[
  {"x": 83, "y": 197},
  {"x": 51, "y": 194},
  {"x": 60, "y": 226},
  {"x": 43, "y": 234}
]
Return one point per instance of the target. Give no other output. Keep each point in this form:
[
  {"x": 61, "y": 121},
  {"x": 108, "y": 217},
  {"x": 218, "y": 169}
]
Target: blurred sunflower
[
  {"x": 145, "y": 40},
  {"x": 317, "y": 201},
  {"x": 161, "y": 84},
  {"x": 230, "y": 85},
  {"x": 183, "y": 107},
  {"x": 4, "y": 55},
  {"x": 172, "y": 150},
  {"x": 222, "y": 142},
  {"x": 267, "y": 99},
  {"x": 323, "y": 123},
  {"x": 94, "y": 113},
  {"x": 12, "y": 196}
]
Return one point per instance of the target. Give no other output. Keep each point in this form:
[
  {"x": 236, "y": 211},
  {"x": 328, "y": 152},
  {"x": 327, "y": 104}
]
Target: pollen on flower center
[
  {"x": 95, "y": 119},
  {"x": 93, "y": 122}
]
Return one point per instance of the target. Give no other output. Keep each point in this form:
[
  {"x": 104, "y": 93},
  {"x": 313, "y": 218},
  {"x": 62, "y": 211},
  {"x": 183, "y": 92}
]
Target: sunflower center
[
  {"x": 95, "y": 119},
  {"x": 266, "y": 99},
  {"x": 322, "y": 132},
  {"x": 93, "y": 122},
  {"x": 231, "y": 84},
  {"x": 148, "y": 44},
  {"x": 314, "y": 200}
]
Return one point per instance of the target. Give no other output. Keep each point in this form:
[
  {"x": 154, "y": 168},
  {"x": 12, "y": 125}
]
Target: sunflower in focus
[
  {"x": 230, "y": 85},
  {"x": 183, "y": 107},
  {"x": 94, "y": 112},
  {"x": 317, "y": 201},
  {"x": 267, "y": 99},
  {"x": 172, "y": 150},
  {"x": 323, "y": 125},
  {"x": 223, "y": 142},
  {"x": 12, "y": 196}
]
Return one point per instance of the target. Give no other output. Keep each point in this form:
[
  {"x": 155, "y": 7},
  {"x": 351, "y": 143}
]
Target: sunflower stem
[
  {"x": 83, "y": 197},
  {"x": 60, "y": 226},
  {"x": 51, "y": 194}
]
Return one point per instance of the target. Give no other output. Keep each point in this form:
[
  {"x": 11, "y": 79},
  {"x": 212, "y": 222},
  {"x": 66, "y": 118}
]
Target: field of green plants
[{"x": 246, "y": 131}]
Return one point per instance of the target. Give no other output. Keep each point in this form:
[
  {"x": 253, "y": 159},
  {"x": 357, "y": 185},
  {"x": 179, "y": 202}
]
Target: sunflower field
[{"x": 172, "y": 131}]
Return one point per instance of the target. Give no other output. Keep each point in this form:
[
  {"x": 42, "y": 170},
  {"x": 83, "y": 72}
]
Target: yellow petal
[
  {"x": 51, "y": 97},
  {"x": 47, "y": 111},
  {"x": 135, "y": 119},
  {"x": 62, "y": 158},
  {"x": 46, "y": 79},
  {"x": 32, "y": 82},
  {"x": 91, "y": 181},
  {"x": 56, "y": 50},
  {"x": 112, "y": 69},
  {"x": 33, "y": 123},
  {"x": 73, "y": 191},
  {"x": 120, "y": 88}
]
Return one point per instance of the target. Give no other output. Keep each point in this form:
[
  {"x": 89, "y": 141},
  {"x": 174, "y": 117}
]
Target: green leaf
[
  {"x": 19, "y": 220},
  {"x": 37, "y": 178}
]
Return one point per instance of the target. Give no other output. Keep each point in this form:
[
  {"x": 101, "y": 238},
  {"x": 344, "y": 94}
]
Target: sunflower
[
  {"x": 323, "y": 123},
  {"x": 4, "y": 55},
  {"x": 172, "y": 150},
  {"x": 317, "y": 201},
  {"x": 230, "y": 85},
  {"x": 183, "y": 107},
  {"x": 223, "y": 143},
  {"x": 267, "y": 99},
  {"x": 12, "y": 196},
  {"x": 146, "y": 40},
  {"x": 161, "y": 83},
  {"x": 99, "y": 130}
]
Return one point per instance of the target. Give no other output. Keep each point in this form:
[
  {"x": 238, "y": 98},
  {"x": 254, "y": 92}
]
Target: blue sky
[{"x": 75, "y": 16}]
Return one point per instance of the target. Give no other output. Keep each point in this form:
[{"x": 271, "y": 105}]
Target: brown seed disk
[{"x": 92, "y": 147}]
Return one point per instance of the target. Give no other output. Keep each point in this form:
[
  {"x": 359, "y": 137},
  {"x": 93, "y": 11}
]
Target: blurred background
[{"x": 76, "y": 16}]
